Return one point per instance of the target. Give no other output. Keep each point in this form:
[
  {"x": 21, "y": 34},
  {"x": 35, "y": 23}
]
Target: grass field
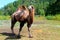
[{"x": 41, "y": 30}]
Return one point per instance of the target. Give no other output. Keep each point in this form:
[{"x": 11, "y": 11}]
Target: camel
[{"x": 23, "y": 15}]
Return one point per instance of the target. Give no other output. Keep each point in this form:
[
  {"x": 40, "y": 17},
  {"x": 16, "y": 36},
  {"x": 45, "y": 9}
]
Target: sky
[{"x": 5, "y": 2}]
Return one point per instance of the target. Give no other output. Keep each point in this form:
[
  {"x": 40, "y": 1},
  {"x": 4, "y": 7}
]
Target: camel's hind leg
[
  {"x": 13, "y": 21},
  {"x": 20, "y": 29}
]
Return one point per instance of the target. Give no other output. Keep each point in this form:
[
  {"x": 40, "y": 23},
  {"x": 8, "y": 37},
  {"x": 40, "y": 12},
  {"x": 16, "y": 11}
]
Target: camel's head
[{"x": 31, "y": 7}]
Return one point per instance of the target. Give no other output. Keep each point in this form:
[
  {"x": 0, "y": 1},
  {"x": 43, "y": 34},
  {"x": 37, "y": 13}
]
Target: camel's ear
[{"x": 24, "y": 7}]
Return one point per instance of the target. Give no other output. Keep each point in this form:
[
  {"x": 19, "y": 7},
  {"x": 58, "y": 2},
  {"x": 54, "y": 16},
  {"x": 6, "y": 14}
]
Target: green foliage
[
  {"x": 53, "y": 8},
  {"x": 51, "y": 17},
  {"x": 42, "y": 12},
  {"x": 42, "y": 8},
  {"x": 1, "y": 13},
  {"x": 56, "y": 17}
]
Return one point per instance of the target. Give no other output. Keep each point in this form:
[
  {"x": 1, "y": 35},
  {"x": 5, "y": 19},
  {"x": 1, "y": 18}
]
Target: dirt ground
[{"x": 41, "y": 30}]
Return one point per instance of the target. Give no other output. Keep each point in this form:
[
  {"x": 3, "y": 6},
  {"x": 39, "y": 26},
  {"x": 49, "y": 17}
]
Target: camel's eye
[{"x": 32, "y": 7}]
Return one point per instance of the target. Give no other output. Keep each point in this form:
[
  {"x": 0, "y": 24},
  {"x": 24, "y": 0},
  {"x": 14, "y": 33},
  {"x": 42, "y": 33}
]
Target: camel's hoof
[{"x": 30, "y": 36}]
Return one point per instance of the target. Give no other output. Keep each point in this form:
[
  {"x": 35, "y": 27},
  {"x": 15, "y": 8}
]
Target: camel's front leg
[{"x": 29, "y": 33}]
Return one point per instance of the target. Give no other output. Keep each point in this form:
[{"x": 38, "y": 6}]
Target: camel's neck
[{"x": 31, "y": 15}]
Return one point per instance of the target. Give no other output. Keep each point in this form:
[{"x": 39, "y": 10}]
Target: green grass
[
  {"x": 4, "y": 17},
  {"x": 8, "y": 17},
  {"x": 36, "y": 18}
]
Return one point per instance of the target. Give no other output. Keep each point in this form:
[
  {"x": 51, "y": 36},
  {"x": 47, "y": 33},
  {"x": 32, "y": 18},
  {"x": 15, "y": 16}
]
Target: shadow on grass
[{"x": 11, "y": 36}]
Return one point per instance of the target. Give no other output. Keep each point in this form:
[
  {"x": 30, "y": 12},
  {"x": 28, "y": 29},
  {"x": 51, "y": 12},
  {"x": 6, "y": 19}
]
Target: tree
[
  {"x": 41, "y": 6},
  {"x": 54, "y": 8}
]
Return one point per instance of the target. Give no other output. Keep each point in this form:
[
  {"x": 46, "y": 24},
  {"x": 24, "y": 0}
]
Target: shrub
[
  {"x": 50, "y": 17},
  {"x": 57, "y": 17}
]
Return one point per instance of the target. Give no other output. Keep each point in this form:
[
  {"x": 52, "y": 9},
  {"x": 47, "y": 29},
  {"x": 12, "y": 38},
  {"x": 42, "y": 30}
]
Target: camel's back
[{"x": 20, "y": 15}]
